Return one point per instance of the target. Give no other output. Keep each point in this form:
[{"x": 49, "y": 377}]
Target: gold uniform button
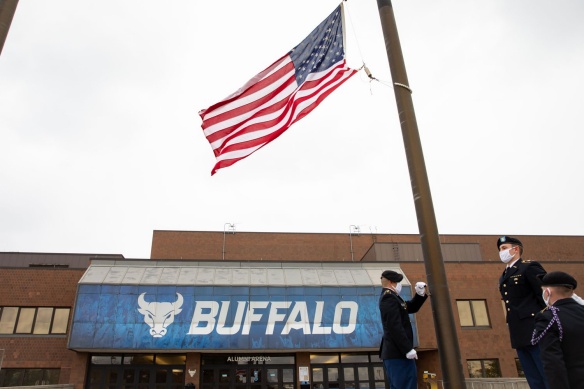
[
  {"x": 505, "y": 293},
  {"x": 533, "y": 314},
  {"x": 508, "y": 309},
  {"x": 507, "y": 301}
]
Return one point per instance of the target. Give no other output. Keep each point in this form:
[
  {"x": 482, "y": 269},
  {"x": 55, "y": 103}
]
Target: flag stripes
[{"x": 273, "y": 100}]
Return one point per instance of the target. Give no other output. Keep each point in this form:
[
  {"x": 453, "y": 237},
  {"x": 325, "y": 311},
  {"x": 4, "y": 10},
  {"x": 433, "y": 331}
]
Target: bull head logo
[{"x": 159, "y": 315}]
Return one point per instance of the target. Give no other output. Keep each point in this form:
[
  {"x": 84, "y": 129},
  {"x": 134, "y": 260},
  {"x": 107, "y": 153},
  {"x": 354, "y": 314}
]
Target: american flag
[{"x": 279, "y": 96}]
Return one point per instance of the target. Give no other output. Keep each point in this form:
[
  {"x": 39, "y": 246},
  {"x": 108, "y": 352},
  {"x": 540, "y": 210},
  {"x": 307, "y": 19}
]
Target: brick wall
[
  {"x": 479, "y": 281},
  {"x": 34, "y": 287},
  {"x": 254, "y": 246},
  {"x": 473, "y": 280}
]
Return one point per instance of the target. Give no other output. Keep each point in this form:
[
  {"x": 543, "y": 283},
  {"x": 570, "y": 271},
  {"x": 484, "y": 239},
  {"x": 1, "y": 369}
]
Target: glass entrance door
[
  {"x": 247, "y": 377},
  {"x": 136, "y": 371},
  {"x": 136, "y": 377},
  {"x": 346, "y": 371},
  {"x": 353, "y": 376},
  {"x": 219, "y": 371}
]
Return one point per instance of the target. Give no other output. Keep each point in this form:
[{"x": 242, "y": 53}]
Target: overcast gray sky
[{"x": 101, "y": 141}]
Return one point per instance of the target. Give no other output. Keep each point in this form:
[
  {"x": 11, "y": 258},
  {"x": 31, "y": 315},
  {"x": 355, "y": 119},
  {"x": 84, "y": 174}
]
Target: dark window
[
  {"x": 12, "y": 377},
  {"x": 171, "y": 359},
  {"x": 483, "y": 368},
  {"x": 520, "y": 372},
  {"x": 34, "y": 320},
  {"x": 347, "y": 370},
  {"x": 29, "y": 377},
  {"x": 139, "y": 359},
  {"x": 473, "y": 313}
]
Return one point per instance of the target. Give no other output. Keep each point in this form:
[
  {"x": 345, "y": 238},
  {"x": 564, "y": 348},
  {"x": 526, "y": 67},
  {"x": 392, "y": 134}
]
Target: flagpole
[
  {"x": 7, "y": 10},
  {"x": 445, "y": 327}
]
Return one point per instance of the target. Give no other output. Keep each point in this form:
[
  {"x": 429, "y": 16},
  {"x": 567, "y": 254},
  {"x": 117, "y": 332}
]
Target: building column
[
  {"x": 193, "y": 368},
  {"x": 302, "y": 360}
]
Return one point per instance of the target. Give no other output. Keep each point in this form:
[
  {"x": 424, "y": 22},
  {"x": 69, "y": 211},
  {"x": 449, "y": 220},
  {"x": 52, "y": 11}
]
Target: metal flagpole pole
[
  {"x": 448, "y": 348},
  {"x": 7, "y": 10}
]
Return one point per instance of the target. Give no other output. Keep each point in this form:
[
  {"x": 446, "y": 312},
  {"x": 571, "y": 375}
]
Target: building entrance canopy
[{"x": 170, "y": 306}]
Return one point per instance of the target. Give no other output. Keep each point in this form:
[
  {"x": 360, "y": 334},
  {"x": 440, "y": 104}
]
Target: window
[
  {"x": 483, "y": 368},
  {"x": 8, "y": 319},
  {"x": 29, "y": 377},
  {"x": 520, "y": 372},
  {"x": 60, "y": 321},
  {"x": 324, "y": 358},
  {"x": 34, "y": 320},
  {"x": 25, "y": 320},
  {"x": 43, "y": 321},
  {"x": 473, "y": 313},
  {"x": 139, "y": 359}
]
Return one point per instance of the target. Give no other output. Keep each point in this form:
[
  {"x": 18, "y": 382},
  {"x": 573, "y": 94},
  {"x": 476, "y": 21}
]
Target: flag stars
[{"x": 321, "y": 50}]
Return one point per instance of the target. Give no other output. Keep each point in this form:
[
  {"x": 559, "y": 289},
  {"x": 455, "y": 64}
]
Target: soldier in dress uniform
[
  {"x": 397, "y": 345},
  {"x": 559, "y": 331},
  {"x": 520, "y": 290}
]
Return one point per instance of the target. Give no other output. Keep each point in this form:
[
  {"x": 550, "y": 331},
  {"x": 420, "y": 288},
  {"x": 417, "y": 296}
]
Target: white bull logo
[{"x": 159, "y": 315}]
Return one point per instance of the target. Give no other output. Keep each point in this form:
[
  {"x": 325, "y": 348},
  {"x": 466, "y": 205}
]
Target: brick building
[{"x": 83, "y": 319}]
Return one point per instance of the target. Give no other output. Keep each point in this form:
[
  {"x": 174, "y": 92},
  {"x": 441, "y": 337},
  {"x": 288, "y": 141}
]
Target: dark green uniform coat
[
  {"x": 521, "y": 291},
  {"x": 398, "y": 336},
  {"x": 563, "y": 360}
]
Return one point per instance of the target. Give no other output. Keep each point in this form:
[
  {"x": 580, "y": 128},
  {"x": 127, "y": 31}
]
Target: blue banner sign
[{"x": 124, "y": 317}]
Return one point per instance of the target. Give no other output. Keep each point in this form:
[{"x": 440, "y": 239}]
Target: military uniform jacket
[
  {"x": 398, "y": 336},
  {"x": 563, "y": 360},
  {"x": 520, "y": 290}
]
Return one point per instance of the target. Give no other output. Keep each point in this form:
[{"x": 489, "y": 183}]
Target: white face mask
[
  {"x": 505, "y": 255},
  {"x": 398, "y": 287},
  {"x": 547, "y": 301}
]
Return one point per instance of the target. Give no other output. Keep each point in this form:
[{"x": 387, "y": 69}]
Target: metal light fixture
[
  {"x": 353, "y": 229},
  {"x": 227, "y": 227}
]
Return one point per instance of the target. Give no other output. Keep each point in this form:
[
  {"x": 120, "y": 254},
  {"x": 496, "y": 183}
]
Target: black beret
[
  {"x": 558, "y": 278},
  {"x": 508, "y": 239},
  {"x": 392, "y": 276}
]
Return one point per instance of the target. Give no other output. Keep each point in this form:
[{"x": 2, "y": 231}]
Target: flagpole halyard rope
[
  {"x": 363, "y": 67},
  {"x": 346, "y": 11},
  {"x": 403, "y": 86}
]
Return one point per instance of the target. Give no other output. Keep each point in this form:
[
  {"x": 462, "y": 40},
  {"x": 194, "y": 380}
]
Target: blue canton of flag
[{"x": 321, "y": 49}]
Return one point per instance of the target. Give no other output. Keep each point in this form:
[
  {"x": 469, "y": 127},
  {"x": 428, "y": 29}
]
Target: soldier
[
  {"x": 521, "y": 292},
  {"x": 560, "y": 333},
  {"x": 397, "y": 344}
]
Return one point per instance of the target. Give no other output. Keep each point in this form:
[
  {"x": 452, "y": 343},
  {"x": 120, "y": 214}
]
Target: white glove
[
  {"x": 421, "y": 288},
  {"x": 412, "y": 354}
]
